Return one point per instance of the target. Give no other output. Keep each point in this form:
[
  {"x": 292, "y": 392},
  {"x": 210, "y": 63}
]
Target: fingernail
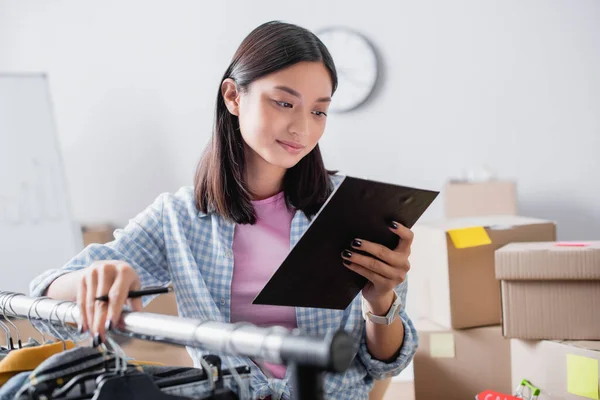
[
  {"x": 347, "y": 262},
  {"x": 347, "y": 254},
  {"x": 108, "y": 325},
  {"x": 79, "y": 329},
  {"x": 356, "y": 243},
  {"x": 97, "y": 340},
  {"x": 393, "y": 225}
]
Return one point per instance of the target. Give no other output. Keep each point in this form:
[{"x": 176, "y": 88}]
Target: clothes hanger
[
  {"x": 216, "y": 375},
  {"x": 53, "y": 328},
  {"x": 128, "y": 386},
  {"x": 219, "y": 391},
  {"x": 139, "y": 385},
  {"x": 34, "y": 307},
  {"x": 244, "y": 390},
  {"x": 81, "y": 381},
  {"x": 9, "y": 343},
  {"x": 32, "y": 342},
  {"x": 44, "y": 321},
  {"x": 132, "y": 386},
  {"x": 6, "y": 300},
  {"x": 120, "y": 367},
  {"x": 9, "y": 340},
  {"x": 63, "y": 321}
]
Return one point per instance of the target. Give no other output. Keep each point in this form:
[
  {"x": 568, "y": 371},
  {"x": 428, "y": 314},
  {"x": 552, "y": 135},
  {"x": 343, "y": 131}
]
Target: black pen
[{"x": 139, "y": 293}]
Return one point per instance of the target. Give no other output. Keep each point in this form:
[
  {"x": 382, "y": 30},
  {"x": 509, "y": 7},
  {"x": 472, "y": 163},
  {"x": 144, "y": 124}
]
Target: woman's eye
[
  {"x": 284, "y": 104},
  {"x": 319, "y": 113}
]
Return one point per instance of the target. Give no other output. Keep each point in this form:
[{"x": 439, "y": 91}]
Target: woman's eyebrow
[{"x": 296, "y": 94}]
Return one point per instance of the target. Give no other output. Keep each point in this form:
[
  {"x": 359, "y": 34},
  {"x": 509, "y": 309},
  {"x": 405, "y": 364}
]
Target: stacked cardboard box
[
  {"x": 552, "y": 291},
  {"x": 476, "y": 199},
  {"x": 97, "y": 233},
  {"x": 453, "y": 273},
  {"x": 459, "y": 363}
]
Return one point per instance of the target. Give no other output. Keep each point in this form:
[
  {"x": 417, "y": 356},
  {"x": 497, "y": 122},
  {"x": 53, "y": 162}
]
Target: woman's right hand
[{"x": 112, "y": 277}]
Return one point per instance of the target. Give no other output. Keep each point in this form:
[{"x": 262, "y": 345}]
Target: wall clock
[{"x": 357, "y": 66}]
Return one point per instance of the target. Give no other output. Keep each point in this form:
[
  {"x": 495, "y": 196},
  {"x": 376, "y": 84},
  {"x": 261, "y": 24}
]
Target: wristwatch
[{"x": 387, "y": 319}]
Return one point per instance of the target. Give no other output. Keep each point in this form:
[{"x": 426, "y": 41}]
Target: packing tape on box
[{"x": 469, "y": 237}]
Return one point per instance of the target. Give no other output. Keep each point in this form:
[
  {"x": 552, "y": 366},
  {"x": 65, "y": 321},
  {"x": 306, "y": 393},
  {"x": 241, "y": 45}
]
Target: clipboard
[{"x": 312, "y": 274}]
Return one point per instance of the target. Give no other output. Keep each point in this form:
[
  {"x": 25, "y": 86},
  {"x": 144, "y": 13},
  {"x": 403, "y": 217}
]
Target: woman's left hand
[{"x": 385, "y": 270}]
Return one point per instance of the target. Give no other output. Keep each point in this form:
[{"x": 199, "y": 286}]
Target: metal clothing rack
[{"x": 307, "y": 356}]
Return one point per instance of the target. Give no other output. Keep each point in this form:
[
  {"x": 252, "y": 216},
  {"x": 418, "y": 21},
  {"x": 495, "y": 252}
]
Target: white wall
[{"x": 510, "y": 84}]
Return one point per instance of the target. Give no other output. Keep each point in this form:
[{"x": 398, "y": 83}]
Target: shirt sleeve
[
  {"x": 381, "y": 369},
  {"x": 141, "y": 244}
]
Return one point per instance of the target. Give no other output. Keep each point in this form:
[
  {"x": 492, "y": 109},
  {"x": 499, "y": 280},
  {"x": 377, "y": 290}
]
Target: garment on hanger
[
  {"x": 27, "y": 359},
  {"x": 10, "y": 388},
  {"x": 57, "y": 371}
]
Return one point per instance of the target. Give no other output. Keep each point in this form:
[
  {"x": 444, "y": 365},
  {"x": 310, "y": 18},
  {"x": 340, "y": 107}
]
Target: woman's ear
[{"x": 231, "y": 96}]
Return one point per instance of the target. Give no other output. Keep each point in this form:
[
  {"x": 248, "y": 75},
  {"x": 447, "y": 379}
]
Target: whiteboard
[{"x": 37, "y": 229}]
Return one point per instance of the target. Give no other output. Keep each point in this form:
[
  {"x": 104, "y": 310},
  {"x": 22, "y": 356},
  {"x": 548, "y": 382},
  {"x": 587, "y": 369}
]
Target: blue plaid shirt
[{"x": 171, "y": 241}]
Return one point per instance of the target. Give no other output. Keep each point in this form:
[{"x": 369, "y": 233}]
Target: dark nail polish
[
  {"x": 347, "y": 254},
  {"x": 394, "y": 225},
  {"x": 356, "y": 243},
  {"x": 97, "y": 340},
  {"x": 347, "y": 262},
  {"x": 108, "y": 325}
]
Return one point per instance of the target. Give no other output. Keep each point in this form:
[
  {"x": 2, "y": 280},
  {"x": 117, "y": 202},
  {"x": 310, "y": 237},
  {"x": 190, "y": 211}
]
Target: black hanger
[
  {"x": 51, "y": 389},
  {"x": 131, "y": 386},
  {"x": 220, "y": 392},
  {"x": 81, "y": 380}
]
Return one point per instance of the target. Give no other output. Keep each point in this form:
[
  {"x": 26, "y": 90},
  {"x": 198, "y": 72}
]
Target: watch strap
[{"x": 387, "y": 319}]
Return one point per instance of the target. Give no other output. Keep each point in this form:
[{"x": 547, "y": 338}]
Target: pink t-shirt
[{"x": 258, "y": 251}]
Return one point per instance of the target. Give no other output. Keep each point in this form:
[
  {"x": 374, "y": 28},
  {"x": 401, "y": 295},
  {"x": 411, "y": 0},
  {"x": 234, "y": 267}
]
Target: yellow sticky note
[
  {"x": 441, "y": 345},
  {"x": 582, "y": 376},
  {"x": 469, "y": 237}
]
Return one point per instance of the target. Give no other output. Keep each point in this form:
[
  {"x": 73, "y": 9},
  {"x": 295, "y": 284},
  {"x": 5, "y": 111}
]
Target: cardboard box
[
  {"x": 97, "y": 234},
  {"x": 458, "y": 364},
  {"x": 562, "y": 370},
  {"x": 473, "y": 199},
  {"x": 453, "y": 271},
  {"x": 154, "y": 351},
  {"x": 550, "y": 290}
]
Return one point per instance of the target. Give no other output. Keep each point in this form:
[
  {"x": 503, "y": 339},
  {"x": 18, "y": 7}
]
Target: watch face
[{"x": 356, "y": 64}]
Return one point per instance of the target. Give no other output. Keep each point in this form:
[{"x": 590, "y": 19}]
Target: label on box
[
  {"x": 582, "y": 376},
  {"x": 469, "y": 237},
  {"x": 441, "y": 345},
  {"x": 571, "y": 244}
]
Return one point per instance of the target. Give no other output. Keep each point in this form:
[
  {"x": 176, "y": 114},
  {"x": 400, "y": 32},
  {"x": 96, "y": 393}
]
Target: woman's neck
[{"x": 263, "y": 179}]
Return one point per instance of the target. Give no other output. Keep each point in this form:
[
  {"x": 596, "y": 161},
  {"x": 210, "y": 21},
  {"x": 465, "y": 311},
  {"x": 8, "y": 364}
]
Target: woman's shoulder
[
  {"x": 336, "y": 179},
  {"x": 181, "y": 202}
]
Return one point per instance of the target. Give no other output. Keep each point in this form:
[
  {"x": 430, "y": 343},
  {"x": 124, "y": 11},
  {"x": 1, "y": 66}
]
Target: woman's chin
[{"x": 285, "y": 162}]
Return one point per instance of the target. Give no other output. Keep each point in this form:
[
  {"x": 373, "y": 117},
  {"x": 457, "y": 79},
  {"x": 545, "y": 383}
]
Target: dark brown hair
[{"x": 220, "y": 184}]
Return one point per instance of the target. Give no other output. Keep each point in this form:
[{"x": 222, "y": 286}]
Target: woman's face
[{"x": 282, "y": 115}]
